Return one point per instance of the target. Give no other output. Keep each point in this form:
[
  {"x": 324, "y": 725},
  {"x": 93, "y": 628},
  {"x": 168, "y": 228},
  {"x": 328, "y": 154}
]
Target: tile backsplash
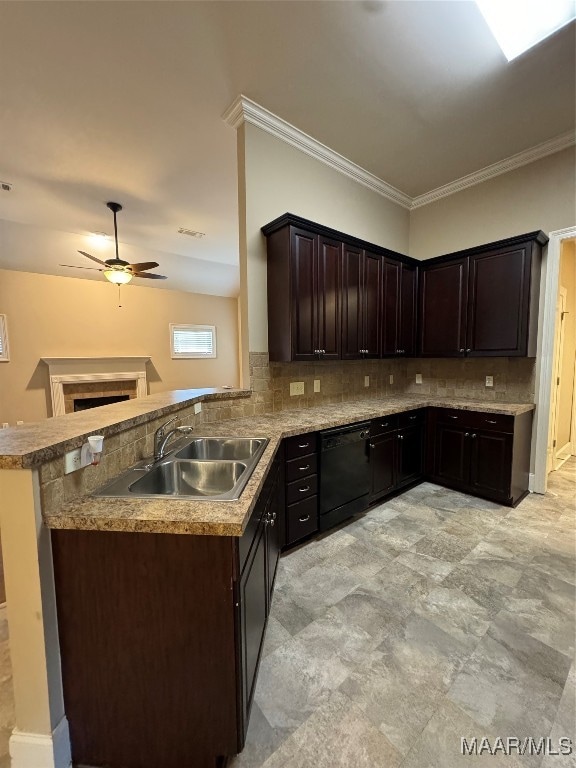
[{"x": 342, "y": 380}]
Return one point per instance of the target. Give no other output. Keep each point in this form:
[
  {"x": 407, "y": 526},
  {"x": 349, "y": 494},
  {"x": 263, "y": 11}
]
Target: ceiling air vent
[
  {"x": 191, "y": 233},
  {"x": 5, "y": 186}
]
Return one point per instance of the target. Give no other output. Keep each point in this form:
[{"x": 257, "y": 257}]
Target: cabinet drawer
[
  {"x": 301, "y": 489},
  {"x": 476, "y": 419},
  {"x": 301, "y": 445},
  {"x": 410, "y": 418},
  {"x": 297, "y": 468},
  {"x": 384, "y": 424},
  {"x": 301, "y": 519}
]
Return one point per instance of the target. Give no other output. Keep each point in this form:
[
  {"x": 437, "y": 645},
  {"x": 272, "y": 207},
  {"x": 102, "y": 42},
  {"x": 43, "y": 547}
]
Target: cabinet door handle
[
  {"x": 274, "y": 516},
  {"x": 461, "y": 350},
  {"x": 304, "y": 445},
  {"x": 466, "y": 434},
  {"x": 473, "y": 436},
  {"x": 468, "y": 350},
  {"x": 303, "y": 469},
  {"x": 272, "y": 523},
  {"x": 303, "y": 490},
  {"x": 491, "y": 421},
  {"x": 400, "y": 437},
  {"x": 304, "y": 519},
  {"x": 372, "y": 445}
]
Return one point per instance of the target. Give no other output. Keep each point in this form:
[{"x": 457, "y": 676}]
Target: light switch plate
[
  {"x": 418, "y": 378},
  {"x": 296, "y": 388},
  {"x": 366, "y": 381},
  {"x": 489, "y": 381},
  {"x": 391, "y": 378},
  {"x": 197, "y": 407},
  {"x": 316, "y": 385}
]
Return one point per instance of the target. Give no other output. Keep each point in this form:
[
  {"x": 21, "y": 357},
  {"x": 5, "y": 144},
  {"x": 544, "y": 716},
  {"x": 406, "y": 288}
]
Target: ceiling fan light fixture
[{"x": 118, "y": 276}]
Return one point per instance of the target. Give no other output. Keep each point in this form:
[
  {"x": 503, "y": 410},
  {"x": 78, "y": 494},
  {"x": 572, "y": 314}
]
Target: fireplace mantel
[{"x": 75, "y": 370}]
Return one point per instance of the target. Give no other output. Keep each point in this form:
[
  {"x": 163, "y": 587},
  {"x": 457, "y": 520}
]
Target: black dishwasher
[{"x": 344, "y": 473}]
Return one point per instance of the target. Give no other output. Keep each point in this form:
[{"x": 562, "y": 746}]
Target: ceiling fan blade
[
  {"x": 98, "y": 261},
  {"x": 150, "y": 275},
  {"x": 75, "y": 266},
  {"x": 143, "y": 266}
]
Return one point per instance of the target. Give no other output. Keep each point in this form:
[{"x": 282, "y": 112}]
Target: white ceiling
[{"x": 123, "y": 101}]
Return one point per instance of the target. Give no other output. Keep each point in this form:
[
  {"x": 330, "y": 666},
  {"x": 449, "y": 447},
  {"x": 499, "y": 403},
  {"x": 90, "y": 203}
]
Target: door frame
[
  {"x": 552, "y": 462},
  {"x": 545, "y": 355}
]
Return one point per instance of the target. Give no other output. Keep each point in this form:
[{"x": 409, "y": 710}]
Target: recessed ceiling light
[
  {"x": 191, "y": 233},
  {"x": 518, "y": 25},
  {"x": 5, "y": 186}
]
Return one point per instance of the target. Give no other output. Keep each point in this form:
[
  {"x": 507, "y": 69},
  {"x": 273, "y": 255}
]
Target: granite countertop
[
  {"x": 31, "y": 445},
  {"x": 229, "y": 518}
]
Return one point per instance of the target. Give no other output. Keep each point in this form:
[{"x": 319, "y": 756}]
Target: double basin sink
[{"x": 210, "y": 468}]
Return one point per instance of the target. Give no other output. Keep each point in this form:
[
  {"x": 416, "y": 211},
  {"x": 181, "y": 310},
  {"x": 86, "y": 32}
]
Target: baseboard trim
[
  {"x": 39, "y": 750},
  {"x": 531, "y": 481}
]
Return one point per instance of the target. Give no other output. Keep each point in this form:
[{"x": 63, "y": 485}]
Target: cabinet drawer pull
[
  {"x": 304, "y": 519},
  {"x": 468, "y": 350},
  {"x": 303, "y": 445},
  {"x": 412, "y": 417},
  {"x": 303, "y": 490},
  {"x": 385, "y": 424},
  {"x": 453, "y": 417},
  {"x": 491, "y": 421},
  {"x": 461, "y": 350},
  {"x": 303, "y": 469}
]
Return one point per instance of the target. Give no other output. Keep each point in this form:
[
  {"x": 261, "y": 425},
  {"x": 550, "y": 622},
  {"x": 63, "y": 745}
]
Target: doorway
[{"x": 562, "y": 243}]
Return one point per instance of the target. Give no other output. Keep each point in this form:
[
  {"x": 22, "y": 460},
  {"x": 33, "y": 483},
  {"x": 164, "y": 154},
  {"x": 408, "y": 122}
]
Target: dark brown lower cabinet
[
  {"x": 161, "y": 637},
  {"x": 396, "y": 452},
  {"x": 483, "y": 454}
]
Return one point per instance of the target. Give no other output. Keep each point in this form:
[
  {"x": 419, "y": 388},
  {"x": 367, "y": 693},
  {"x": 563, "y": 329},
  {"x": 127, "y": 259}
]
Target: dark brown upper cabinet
[
  {"x": 361, "y": 303},
  {"x": 443, "y": 303},
  {"x": 303, "y": 295},
  {"x": 482, "y": 302},
  {"x": 398, "y": 308}
]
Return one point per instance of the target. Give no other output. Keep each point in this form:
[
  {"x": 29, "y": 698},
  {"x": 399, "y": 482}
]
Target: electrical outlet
[
  {"x": 197, "y": 407},
  {"x": 19, "y": 423},
  {"x": 366, "y": 381},
  {"x": 489, "y": 381},
  {"x": 391, "y": 378},
  {"x": 316, "y": 385},
  {"x": 418, "y": 378},
  {"x": 296, "y": 388},
  {"x": 5, "y": 425},
  {"x": 72, "y": 461}
]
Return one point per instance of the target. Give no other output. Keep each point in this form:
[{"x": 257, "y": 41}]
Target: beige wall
[
  {"x": 52, "y": 316},
  {"x": 541, "y": 195},
  {"x": 277, "y": 178},
  {"x": 567, "y": 281}
]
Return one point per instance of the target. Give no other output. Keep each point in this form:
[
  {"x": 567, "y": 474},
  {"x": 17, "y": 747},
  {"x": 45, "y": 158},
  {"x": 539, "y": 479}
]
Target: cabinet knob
[
  {"x": 461, "y": 350},
  {"x": 400, "y": 437},
  {"x": 323, "y": 351},
  {"x": 466, "y": 434},
  {"x": 473, "y": 436}
]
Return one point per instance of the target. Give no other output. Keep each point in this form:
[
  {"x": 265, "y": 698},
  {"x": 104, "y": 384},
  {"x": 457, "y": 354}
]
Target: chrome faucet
[{"x": 161, "y": 437}]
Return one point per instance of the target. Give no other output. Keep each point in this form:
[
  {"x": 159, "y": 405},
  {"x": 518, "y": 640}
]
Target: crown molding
[
  {"x": 244, "y": 110},
  {"x": 564, "y": 141}
]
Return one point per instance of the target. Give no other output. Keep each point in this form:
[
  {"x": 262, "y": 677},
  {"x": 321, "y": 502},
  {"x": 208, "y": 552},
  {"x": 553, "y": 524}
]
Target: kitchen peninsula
[{"x": 161, "y": 604}]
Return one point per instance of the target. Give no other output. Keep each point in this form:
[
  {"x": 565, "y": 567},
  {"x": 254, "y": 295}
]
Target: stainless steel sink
[
  {"x": 190, "y": 478},
  {"x": 201, "y": 468},
  {"x": 220, "y": 448}
]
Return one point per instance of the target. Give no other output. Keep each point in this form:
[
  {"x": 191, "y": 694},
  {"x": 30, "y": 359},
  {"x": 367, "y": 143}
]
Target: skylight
[{"x": 518, "y": 25}]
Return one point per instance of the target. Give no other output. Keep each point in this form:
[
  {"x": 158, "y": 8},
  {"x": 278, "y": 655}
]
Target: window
[
  {"x": 192, "y": 341},
  {"x": 4, "y": 356}
]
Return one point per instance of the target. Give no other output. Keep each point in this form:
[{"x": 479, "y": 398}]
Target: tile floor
[{"x": 433, "y": 617}]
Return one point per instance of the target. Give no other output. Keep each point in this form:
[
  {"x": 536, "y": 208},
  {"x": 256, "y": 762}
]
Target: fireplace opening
[{"x": 83, "y": 403}]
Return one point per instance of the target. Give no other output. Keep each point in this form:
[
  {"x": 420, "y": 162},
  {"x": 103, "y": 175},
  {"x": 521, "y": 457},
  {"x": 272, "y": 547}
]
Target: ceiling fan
[{"x": 117, "y": 270}]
